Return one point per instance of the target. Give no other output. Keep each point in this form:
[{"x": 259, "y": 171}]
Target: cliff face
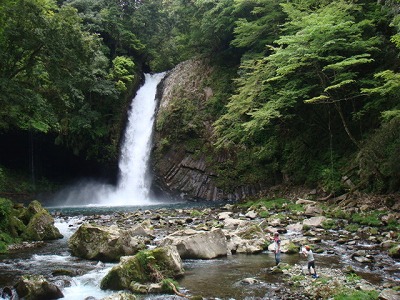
[{"x": 184, "y": 160}]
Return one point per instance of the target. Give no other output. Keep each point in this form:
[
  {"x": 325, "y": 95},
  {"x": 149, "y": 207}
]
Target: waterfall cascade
[{"x": 134, "y": 181}]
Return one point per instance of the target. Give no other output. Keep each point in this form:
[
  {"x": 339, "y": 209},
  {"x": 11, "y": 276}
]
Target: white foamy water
[
  {"x": 134, "y": 185},
  {"x": 133, "y": 188},
  {"x": 87, "y": 285}
]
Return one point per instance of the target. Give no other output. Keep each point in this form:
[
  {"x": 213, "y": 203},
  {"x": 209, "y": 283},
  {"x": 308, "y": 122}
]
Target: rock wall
[{"x": 180, "y": 168}]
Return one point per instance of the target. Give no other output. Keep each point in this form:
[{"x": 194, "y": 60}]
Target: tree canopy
[{"x": 306, "y": 91}]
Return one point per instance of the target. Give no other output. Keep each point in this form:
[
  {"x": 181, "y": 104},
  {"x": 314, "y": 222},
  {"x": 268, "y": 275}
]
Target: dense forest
[{"x": 306, "y": 92}]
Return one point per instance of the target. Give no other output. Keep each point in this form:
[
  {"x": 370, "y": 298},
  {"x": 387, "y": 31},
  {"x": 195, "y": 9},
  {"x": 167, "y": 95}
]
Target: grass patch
[
  {"x": 352, "y": 227},
  {"x": 371, "y": 218},
  {"x": 329, "y": 224},
  {"x": 357, "y": 295},
  {"x": 196, "y": 213},
  {"x": 271, "y": 204}
]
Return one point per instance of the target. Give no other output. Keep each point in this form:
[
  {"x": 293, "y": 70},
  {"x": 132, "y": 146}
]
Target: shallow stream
[{"x": 214, "y": 279}]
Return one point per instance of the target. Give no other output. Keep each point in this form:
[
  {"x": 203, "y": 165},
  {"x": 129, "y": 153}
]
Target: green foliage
[
  {"x": 269, "y": 204},
  {"x": 68, "y": 69},
  {"x": 352, "y": 227},
  {"x": 357, "y": 295},
  {"x": 329, "y": 224},
  {"x": 352, "y": 277},
  {"x": 166, "y": 285},
  {"x": 122, "y": 72},
  {"x": 378, "y": 158},
  {"x": 5, "y": 213},
  {"x": 196, "y": 213},
  {"x": 371, "y": 218}
]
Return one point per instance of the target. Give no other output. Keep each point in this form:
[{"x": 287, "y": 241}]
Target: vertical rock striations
[{"x": 184, "y": 159}]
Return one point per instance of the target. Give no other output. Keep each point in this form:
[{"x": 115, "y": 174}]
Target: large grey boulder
[
  {"x": 314, "y": 221},
  {"x": 36, "y": 287},
  {"x": 145, "y": 268},
  {"x": 108, "y": 243},
  {"x": 198, "y": 244},
  {"x": 248, "y": 238}
]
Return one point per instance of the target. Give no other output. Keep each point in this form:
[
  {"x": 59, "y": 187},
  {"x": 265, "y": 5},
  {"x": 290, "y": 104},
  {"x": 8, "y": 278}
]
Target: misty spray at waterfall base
[{"x": 134, "y": 183}]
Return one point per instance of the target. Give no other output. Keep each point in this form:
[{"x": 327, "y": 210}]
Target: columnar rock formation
[{"x": 180, "y": 167}]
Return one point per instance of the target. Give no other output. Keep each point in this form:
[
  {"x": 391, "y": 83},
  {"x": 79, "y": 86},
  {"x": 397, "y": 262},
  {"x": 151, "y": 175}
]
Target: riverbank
[
  {"x": 361, "y": 237},
  {"x": 351, "y": 242}
]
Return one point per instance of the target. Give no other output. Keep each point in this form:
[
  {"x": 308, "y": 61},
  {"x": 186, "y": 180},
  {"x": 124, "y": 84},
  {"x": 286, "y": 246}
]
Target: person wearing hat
[{"x": 310, "y": 260}]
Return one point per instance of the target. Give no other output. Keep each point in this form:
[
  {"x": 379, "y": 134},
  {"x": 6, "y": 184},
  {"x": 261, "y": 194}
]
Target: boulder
[
  {"x": 314, "y": 221},
  {"x": 146, "y": 267},
  {"x": 107, "y": 243},
  {"x": 389, "y": 294},
  {"x": 225, "y": 215},
  {"x": 198, "y": 244},
  {"x": 287, "y": 246},
  {"x": 231, "y": 223},
  {"x": 120, "y": 296},
  {"x": 246, "y": 239},
  {"x": 394, "y": 251},
  {"x": 313, "y": 210},
  {"x": 251, "y": 214},
  {"x": 36, "y": 287},
  {"x": 297, "y": 227},
  {"x": 39, "y": 223}
]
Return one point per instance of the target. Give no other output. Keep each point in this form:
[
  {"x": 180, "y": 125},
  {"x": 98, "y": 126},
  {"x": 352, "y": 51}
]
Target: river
[{"x": 219, "y": 278}]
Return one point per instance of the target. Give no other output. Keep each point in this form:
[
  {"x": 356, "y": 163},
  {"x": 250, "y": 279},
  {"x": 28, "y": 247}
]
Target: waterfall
[{"x": 134, "y": 181}]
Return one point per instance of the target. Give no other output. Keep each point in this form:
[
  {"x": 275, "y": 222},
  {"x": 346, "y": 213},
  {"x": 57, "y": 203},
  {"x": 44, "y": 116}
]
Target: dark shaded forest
[{"x": 307, "y": 91}]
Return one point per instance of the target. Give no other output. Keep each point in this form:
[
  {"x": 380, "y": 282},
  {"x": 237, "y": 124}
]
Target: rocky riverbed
[{"x": 351, "y": 256}]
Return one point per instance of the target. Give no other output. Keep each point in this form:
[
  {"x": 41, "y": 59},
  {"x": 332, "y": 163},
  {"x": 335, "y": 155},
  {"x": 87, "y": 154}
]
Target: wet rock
[
  {"x": 120, "y": 296},
  {"x": 107, "y": 243},
  {"x": 7, "y": 293},
  {"x": 36, "y": 287},
  {"x": 146, "y": 267},
  {"x": 249, "y": 281},
  {"x": 41, "y": 224},
  {"x": 276, "y": 270},
  {"x": 395, "y": 251}
]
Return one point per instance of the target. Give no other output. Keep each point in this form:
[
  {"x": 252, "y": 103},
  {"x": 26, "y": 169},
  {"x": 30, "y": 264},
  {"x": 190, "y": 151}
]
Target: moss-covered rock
[
  {"x": 41, "y": 227},
  {"x": 148, "y": 266},
  {"x": 395, "y": 251},
  {"x": 107, "y": 243},
  {"x": 36, "y": 287},
  {"x": 32, "y": 223}
]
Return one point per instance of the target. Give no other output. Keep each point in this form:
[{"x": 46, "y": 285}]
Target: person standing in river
[
  {"x": 310, "y": 260},
  {"x": 277, "y": 248}
]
